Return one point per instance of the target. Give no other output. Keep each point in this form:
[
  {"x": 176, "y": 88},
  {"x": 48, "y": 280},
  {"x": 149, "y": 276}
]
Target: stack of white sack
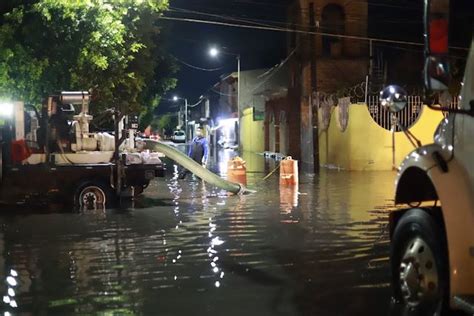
[
  {"x": 106, "y": 141},
  {"x": 150, "y": 158}
]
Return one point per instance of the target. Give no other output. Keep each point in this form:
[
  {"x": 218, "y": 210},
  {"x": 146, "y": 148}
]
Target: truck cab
[
  {"x": 432, "y": 238},
  {"x": 51, "y": 154}
]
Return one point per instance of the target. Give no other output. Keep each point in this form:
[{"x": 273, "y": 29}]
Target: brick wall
[{"x": 334, "y": 74}]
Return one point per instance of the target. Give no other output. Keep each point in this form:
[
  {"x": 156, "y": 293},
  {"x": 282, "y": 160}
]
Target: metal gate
[{"x": 406, "y": 117}]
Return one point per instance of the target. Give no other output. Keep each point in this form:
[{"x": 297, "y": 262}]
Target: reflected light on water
[
  {"x": 11, "y": 280},
  {"x": 224, "y": 156},
  {"x": 288, "y": 198},
  {"x": 213, "y": 252},
  {"x": 310, "y": 244},
  {"x": 216, "y": 241}
]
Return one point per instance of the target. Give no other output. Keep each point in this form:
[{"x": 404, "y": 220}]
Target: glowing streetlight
[{"x": 213, "y": 52}]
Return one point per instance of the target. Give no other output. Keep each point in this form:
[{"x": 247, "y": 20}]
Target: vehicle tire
[
  {"x": 94, "y": 195},
  {"x": 419, "y": 264}
]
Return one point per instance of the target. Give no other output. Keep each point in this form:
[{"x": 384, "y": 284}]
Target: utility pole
[
  {"x": 314, "y": 88},
  {"x": 186, "y": 120},
  {"x": 238, "y": 102}
]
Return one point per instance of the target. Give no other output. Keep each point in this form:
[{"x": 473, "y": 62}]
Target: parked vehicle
[
  {"x": 432, "y": 240},
  {"x": 51, "y": 154},
  {"x": 178, "y": 137}
]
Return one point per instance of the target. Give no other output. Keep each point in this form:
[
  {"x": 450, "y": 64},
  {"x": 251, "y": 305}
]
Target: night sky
[{"x": 190, "y": 42}]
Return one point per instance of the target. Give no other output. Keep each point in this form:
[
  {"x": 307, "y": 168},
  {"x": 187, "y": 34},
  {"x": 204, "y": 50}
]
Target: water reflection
[{"x": 315, "y": 249}]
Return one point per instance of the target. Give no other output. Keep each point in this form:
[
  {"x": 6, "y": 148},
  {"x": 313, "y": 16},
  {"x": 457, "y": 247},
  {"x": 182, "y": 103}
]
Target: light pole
[
  {"x": 238, "y": 92},
  {"x": 175, "y": 98},
  {"x": 214, "y": 52}
]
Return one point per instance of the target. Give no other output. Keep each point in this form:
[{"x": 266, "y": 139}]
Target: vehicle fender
[
  {"x": 413, "y": 174},
  {"x": 421, "y": 178}
]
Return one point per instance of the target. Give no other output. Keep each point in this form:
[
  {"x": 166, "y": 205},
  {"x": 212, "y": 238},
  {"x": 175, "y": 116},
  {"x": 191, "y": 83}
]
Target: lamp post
[
  {"x": 214, "y": 52},
  {"x": 175, "y": 98},
  {"x": 238, "y": 91}
]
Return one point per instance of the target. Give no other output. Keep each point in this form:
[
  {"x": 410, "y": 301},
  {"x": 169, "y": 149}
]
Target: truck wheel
[
  {"x": 93, "y": 195},
  {"x": 418, "y": 260}
]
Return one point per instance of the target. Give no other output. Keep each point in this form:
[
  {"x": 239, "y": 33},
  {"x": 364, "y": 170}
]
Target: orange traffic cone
[
  {"x": 289, "y": 171},
  {"x": 236, "y": 171}
]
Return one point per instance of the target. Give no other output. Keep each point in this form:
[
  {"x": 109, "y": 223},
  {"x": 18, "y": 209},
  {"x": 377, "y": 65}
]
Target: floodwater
[{"x": 190, "y": 249}]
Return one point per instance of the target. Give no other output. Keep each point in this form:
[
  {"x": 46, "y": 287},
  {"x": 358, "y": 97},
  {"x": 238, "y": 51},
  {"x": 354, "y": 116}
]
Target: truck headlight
[{"x": 6, "y": 110}]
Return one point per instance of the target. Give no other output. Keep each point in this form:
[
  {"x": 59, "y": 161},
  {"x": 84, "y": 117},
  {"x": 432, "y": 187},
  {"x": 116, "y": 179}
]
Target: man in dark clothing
[{"x": 198, "y": 151}]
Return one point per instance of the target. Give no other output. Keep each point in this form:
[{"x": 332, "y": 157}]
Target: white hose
[{"x": 194, "y": 167}]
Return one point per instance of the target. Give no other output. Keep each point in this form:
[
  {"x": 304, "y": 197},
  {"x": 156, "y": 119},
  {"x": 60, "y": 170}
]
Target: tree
[
  {"x": 110, "y": 47},
  {"x": 166, "y": 122}
]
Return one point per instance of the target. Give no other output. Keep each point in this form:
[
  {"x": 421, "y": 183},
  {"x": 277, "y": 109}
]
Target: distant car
[{"x": 178, "y": 137}]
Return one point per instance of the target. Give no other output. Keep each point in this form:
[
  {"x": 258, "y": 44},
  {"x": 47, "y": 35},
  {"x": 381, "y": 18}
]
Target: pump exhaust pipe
[{"x": 194, "y": 167}]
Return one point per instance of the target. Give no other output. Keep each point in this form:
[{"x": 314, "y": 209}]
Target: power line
[
  {"x": 287, "y": 30},
  {"x": 196, "y": 67},
  {"x": 270, "y": 73},
  {"x": 223, "y": 94},
  {"x": 279, "y": 29},
  {"x": 362, "y": 19},
  {"x": 179, "y": 10}
]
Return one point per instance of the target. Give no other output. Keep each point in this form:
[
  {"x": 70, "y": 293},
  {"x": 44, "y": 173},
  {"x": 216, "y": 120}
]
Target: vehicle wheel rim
[
  {"x": 92, "y": 197},
  {"x": 419, "y": 281}
]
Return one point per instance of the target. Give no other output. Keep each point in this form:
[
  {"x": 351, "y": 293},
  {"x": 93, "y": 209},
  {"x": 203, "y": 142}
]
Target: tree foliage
[
  {"x": 166, "y": 122},
  {"x": 110, "y": 47}
]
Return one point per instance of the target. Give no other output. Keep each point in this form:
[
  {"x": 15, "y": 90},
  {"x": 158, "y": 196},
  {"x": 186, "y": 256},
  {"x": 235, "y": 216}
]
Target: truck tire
[
  {"x": 94, "y": 195},
  {"x": 418, "y": 262}
]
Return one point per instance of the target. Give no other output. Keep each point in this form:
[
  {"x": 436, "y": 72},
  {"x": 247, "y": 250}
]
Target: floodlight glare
[
  {"x": 175, "y": 98},
  {"x": 6, "y": 109}
]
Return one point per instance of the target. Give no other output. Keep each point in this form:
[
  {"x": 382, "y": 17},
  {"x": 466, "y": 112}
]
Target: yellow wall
[
  {"x": 254, "y": 162},
  {"x": 252, "y": 133},
  {"x": 366, "y": 146}
]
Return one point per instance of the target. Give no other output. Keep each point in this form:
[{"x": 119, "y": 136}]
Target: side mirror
[{"x": 393, "y": 98}]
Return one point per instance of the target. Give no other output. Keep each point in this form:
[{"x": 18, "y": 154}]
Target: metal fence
[
  {"x": 406, "y": 117},
  {"x": 449, "y": 102}
]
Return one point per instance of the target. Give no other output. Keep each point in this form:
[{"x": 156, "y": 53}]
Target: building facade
[{"x": 327, "y": 58}]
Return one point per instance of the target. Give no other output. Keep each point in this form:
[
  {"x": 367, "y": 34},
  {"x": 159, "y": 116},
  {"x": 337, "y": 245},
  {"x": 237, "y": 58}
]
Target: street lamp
[
  {"x": 214, "y": 52},
  {"x": 175, "y": 99}
]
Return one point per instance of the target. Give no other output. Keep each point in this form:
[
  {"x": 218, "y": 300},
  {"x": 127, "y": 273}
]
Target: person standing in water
[{"x": 198, "y": 151}]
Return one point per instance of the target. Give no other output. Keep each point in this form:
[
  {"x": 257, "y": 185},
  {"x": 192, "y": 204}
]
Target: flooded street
[{"x": 191, "y": 249}]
